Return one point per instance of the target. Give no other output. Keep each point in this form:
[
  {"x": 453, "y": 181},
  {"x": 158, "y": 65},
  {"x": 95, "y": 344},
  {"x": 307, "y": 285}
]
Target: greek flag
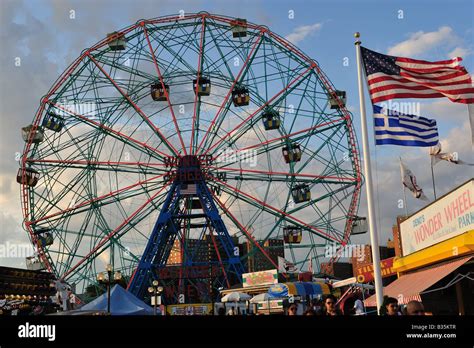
[{"x": 394, "y": 128}]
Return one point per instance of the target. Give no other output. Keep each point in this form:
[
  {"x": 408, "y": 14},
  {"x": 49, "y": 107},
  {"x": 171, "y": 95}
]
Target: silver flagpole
[{"x": 374, "y": 239}]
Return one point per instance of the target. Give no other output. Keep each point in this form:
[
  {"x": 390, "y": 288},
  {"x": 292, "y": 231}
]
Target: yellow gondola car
[
  {"x": 271, "y": 119},
  {"x": 240, "y": 96},
  {"x": 158, "y": 92},
  {"x": 292, "y": 234},
  {"x": 203, "y": 85},
  {"x": 301, "y": 193},
  {"x": 292, "y": 153}
]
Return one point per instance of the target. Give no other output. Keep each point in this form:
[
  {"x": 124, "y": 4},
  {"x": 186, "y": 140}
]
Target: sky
[{"x": 48, "y": 35}]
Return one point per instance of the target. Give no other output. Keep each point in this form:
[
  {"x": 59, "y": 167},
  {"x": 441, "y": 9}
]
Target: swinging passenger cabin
[
  {"x": 334, "y": 100},
  {"x": 240, "y": 96},
  {"x": 203, "y": 86},
  {"x": 239, "y": 27},
  {"x": 27, "y": 176},
  {"x": 158, "y": 92},
  {"x": 117, "y": 42},
  {"x": 271, "y": 119},
  {"x": 36, "y": 135},
  {"x": 301, "y": 193},
  {"x": 292, "y": 153},
  {"x": 292, "y": 234}
]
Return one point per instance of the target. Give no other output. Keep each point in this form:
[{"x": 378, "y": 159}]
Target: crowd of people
[
  {"x": 390, "y": 307},
  {"x": 328, "y": 307}
]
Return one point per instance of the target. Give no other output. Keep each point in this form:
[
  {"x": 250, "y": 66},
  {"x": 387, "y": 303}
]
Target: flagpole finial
[{"x": 357, "y": 36}]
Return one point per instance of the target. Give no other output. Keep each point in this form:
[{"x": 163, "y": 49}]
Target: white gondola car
[
  {"x": 37, "y": 136},
  {"x": 359, "y": 225},
  {"x": 34, "y": 263},
  {"x": 239, "y": 27},
  {"x": 334, "y": 102},
  {"x": 118, "y": 42}
]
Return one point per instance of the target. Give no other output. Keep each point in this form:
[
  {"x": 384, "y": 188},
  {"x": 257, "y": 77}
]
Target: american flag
[
  {"x": 392, "y": 77},
  {"x": 188, "y": 189}
]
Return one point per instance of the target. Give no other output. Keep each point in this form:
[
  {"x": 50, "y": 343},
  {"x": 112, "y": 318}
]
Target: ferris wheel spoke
[
  {"x": 115, "y": 166},
  {"x": 241, "y": 227},
  {"x": 285, "y": 90},
  {"x": 275, "y": 143},
  {"x": 177, "y": 56},
  {"x": 263, "y": 175},
  {"x": 138, "y": 145},
  {"x": 158, "y": 71},
  {"x": 128, "y": 221},
  {"x": 197, "y": 97},
  {"x": 223, "y": 58},
  {"x": 115, "y": 239},
  {"x": 226, "y": 102},
  {"x": 101, "y": 200},
  {"x": 246, "y": 126},
  {"x": 234, "y": 191},
  {"x": 315, "y": 155},
  {"x": 135, "y": 107}
]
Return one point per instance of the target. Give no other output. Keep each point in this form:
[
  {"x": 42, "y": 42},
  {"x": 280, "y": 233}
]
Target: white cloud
[
  {"x": 420, "y": 42},
  {"x": 459, "y": 52},
  {"x": 444, "y": 109},
  {"x": 300, "y": 33}
]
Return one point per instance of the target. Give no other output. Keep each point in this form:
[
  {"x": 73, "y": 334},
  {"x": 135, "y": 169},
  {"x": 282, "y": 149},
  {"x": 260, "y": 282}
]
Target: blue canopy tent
[{"x": 122, "y": 302}]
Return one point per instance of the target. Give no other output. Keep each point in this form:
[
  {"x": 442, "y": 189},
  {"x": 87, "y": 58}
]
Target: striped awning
[
  {"x": 298, "y": 289},
  {"x": 409, "y": 286}
]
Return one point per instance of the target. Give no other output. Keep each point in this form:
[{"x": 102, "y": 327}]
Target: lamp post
[
  {"x": 107, "y": 279},
  {"x": 156, "y": 291}
]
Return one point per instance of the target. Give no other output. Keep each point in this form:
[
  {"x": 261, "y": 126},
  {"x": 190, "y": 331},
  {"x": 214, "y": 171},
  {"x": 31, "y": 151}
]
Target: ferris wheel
[{"x": 198, "y": 146}]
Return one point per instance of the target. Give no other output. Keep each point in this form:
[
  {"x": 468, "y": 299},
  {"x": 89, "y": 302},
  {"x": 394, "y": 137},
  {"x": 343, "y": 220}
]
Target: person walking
[
  {"x": 329, "y": 307},
  {"x": 389, "y": 306},
  {"x": 292, "y": 309},
  {"x": 415, "y": 308}
]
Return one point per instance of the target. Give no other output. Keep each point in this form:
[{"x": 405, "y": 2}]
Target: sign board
[
  {"x": 446, "y": 218},
  {"x": 190, "y": 309},
  {"x": 365, "y": 273},
  {"x": 158, "y": 300},
  {"x": 272, "y": 304},
  {"x": 260, "y": 278}
]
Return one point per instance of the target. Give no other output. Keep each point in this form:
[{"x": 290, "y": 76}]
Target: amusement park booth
[{"x": 437, "y": 262}]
